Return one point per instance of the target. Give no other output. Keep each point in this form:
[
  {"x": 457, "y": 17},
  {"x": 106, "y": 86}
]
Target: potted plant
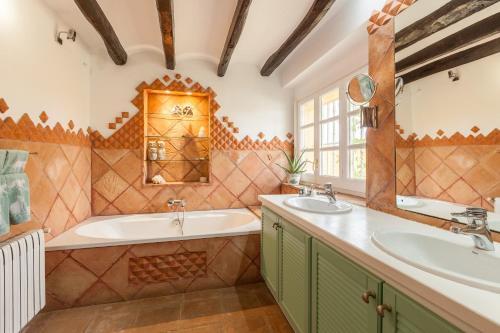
[{"x": 294, "y": 169}]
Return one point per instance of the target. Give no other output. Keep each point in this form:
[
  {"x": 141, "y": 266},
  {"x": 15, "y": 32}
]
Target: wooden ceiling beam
[
  {"x": 445, "y": 16},
  {"x": 239, "y": 18},
  {"x": 317, "y": 11},
  {"x": 94, "y": 14},
  {"x": 166, "y": 17},
  {"x": 473, "y": 33},
  {"x": 457, "y": 59}
]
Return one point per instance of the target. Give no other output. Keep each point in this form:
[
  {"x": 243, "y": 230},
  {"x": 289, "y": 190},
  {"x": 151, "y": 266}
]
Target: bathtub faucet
[{"x": 176, "y": 202}]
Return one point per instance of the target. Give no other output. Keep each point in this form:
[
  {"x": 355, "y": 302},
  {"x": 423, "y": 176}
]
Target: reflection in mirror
[
  {"x": 361, "y": 89},
  {"x": 447, "y": 108}
]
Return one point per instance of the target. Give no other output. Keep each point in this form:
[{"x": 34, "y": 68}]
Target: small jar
[
  {"x": 162, "y": 153},
  {"x": 152, "y": 151}
]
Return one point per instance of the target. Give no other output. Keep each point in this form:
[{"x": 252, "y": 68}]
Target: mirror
[
  {"x": 361, "y": 89},
  {"x": 447, "y": 109}
]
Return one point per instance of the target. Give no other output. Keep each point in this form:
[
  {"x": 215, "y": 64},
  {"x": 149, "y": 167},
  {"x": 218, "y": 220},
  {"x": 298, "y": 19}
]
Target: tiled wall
[
  {"x": 58, "y": 170},
  {"x": 110, "y": 274},
  {"x": 238, "y": 177}
]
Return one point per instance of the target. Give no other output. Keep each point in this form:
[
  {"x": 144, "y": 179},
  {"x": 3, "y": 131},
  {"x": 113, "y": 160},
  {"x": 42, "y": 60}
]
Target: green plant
[{"x": 295, "y": 164}]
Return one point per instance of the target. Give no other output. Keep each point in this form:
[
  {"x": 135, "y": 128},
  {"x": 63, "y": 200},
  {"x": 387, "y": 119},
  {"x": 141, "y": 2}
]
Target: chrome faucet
[
  {"x": 480, "y": 232},
  {"x": 176, "y": 202},
  {"x": 179, "y": 208},
  {"x": 329, "y": 193}
]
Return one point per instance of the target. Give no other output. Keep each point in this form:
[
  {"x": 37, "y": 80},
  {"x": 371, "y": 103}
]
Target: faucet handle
[{"x": 328, "y": 187}]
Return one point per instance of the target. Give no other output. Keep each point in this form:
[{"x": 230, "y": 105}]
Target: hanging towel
[{"x": 14, "y": 189}]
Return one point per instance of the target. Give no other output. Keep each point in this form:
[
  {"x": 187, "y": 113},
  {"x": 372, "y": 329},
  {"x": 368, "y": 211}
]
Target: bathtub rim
[{"x": 102, "y": 242}]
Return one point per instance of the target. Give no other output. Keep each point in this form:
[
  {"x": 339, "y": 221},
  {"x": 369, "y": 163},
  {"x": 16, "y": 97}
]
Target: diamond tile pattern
[
  {"x": 238, "y": 176},
  {"x": 111, "y": 274},
  {"x": 59, "y": 176}
]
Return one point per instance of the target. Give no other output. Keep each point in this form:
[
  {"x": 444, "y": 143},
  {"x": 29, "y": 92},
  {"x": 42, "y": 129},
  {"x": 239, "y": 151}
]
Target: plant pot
[{"x": 294, "y": 178}]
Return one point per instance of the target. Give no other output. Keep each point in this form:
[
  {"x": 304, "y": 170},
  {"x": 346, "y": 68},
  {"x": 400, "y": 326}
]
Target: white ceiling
[{"x": 201, "y": 26}]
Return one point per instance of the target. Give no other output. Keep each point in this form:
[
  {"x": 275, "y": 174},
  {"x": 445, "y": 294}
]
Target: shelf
[
  {"x": 178, "y": 137},
  {"x": 165, "y": 161},
  {"x": 169, "y": 117}
]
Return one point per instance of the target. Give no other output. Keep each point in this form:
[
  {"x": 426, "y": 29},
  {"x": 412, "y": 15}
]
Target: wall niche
[{"x": 176, "y": 137}]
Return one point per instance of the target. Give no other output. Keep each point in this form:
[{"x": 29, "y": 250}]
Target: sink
[
  {"x": 318, "y": 205},
  {"x": 408, "y": 202},
  {"x": 450, "y": 256}
]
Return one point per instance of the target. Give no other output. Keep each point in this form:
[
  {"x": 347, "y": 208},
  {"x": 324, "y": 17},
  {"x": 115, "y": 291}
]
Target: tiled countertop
[{"x": 470, "y": 309}]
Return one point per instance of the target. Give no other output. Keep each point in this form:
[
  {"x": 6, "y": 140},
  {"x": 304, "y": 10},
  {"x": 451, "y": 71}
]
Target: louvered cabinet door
[
  {"x": 337, "y": 289},
  {"x": 407, "y": 316},
  {"x": 269, "y": 250},
  {"x": 295, "y": 246}
]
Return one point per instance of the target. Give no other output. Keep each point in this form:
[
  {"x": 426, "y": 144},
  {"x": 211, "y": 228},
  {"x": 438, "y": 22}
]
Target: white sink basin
[
  {"x": 408, "y": 202},
  {"x": 318, "y": 205},
  {"x": 450, "y": 256}
]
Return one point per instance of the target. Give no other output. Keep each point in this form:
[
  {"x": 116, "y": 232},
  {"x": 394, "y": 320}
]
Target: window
[{"x": 332, "y": 140}]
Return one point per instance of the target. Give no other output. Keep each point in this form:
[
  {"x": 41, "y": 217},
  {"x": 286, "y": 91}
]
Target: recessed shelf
[
  {"x": 169, "y": 117},
  {"x": 184, "y": 160},
  {"x": 177, "y": 137}
]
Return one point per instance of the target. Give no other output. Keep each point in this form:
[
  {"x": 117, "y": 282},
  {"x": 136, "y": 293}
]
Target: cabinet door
[
  {"x": 406, "y": 315},
  {"x": 269, "y": 250},
  {"x": 338, "y": 286},
  {"x": 295, "y": 251}
]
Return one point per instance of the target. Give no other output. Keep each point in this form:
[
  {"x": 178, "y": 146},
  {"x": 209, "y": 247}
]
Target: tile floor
[{"x": 247, "y": 308}]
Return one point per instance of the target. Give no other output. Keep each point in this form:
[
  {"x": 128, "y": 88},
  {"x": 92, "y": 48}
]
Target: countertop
[{"x": 470, "y": 309}]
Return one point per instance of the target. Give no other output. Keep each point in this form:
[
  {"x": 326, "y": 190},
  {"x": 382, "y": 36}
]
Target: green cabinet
[
  {"x": 294, "y": 275},
  {"x": 344, "y": 296},
  {"x": 321, "y": 291},
  {"x": 269, "y": 263},
  {"x": 407, "y": 316}
]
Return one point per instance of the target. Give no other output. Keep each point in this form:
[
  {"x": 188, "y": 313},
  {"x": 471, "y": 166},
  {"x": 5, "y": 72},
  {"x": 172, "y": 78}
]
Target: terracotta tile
[
  {"x": 54, "y": 258},
  {"x": 200, "y": 308},
  {"x": 212, "y": 280},
  {"x": 57, "y": 218},
  {"x": 428, "y": 161},
  {"x": 461, "y": 192},
  {"x": 250, "y": 244},
  {"x": 236, "y": 182},
  {"x": 405, "y": 175},
  {"x": 111, "y": 156},
  {"x": 221, "y": 198},
  {"x": 99, "y": 167},
  {"x": 443, "y": 151},
  {"x": 222, "y": 166},
  {"x": 70, "y": 191},
  {"x": 57, "y": 168},
  {"x": 98, "y": 203},
  {"x": 82, "y": 208},
  {"x": 110, "y": 186},
  {"x": 117, "y": 278},
  {"x": 193, "y": 198},
  {"x": 461, "y": 161},
  {"x": 158, "y": 310},
  {"x": 100, "y": 259},
  {"x": 129, "y": 167},
  {"x": 444, "y": 176},
  {"x": 230, "y": 263},
  {"x": 42, "y": 196},
  {"x": 249, "y": 196},
  {"x": 71, "y": 152},
  {"x": 81, "y": 168},
  {"x": 156, "y": 289},
  {"x": 429, "y": 188},
  {"x": 481, "y": 179},
  {"x": 211, "y": 246},
  {"x": 99, "y": 293},
  {"x": 155, "y": 249},
  {"x": 69, "y": 281},
  {"x": 251, "y": 165},
  {"x": 130, "y": 201},
  {"x": 267, "y": 182},
  {"x": 492, "y": 162}
]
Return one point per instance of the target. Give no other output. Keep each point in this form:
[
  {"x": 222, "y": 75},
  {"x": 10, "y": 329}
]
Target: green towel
[{"x": 14, "y": 189}]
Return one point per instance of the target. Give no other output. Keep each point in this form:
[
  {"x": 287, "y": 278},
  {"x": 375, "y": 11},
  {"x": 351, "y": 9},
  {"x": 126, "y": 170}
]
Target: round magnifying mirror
[{"x": 361, "y": 89}]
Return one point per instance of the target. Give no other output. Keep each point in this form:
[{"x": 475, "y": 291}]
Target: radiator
[{"x": 22, "y": 280}]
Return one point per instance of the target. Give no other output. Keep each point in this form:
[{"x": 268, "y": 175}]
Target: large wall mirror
[{"x": 448, "y": 108}]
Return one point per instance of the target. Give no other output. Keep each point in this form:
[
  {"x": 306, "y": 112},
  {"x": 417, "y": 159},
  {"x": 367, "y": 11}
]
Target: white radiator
[{"x": 22, "y": 280}]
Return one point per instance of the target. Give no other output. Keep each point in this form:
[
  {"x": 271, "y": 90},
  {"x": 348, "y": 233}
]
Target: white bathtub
[{"x": 150, "y": 228}]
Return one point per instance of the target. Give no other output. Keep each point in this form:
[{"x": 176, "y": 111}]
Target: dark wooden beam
[
  {"x": 239, "y": 18},
  {"x": 445, "y": 16},
  {"x": 471, "y": 34},
  {"x": 454, "y": 60},
  {"x": 317, "y": 11},
  {"x": 166, "y": 16},
  {"x": 94, "y": 14}
]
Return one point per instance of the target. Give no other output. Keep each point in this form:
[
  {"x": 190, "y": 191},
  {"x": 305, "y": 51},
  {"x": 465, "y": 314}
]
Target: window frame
[{"x": 343, "y": 183}]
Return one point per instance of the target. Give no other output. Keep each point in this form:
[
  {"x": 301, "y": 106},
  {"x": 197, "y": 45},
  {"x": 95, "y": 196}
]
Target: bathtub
[
  {"x": 152, "y": 228},
  {"x": 119, "y": 258}
]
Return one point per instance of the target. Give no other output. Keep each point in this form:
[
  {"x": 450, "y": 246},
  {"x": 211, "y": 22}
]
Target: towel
[{"x": 14, "y": 189}]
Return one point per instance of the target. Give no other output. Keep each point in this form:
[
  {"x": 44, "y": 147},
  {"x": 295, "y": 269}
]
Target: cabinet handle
[
  {"x": 275, "y": 226},
  {"x": 366, "y": 296},
  {"x": 382, "y": 308}
]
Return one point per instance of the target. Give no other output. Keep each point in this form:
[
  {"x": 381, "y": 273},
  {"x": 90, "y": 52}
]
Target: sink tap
[
  {"x": 306, "y": 191},
  {"x": 480, "y": 232},
  {"x": 329, "y": 193}
]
